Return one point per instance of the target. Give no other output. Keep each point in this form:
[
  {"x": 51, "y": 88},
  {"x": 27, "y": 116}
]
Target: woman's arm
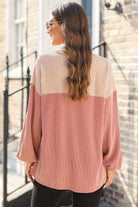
[
  {"x": 112, "y": 156},
  {"x": 32, "y": 129}
]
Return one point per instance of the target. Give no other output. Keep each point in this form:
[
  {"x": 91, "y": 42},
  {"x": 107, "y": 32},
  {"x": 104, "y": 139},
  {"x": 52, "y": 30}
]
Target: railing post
[
  {"x": 7, "y": 68},
  {"x": 5, "y": 133},
  {"x": 35, "y": 54},
  {"x": 28, "y": 88},
  {"x": 22, "y": 83},
  {"x": 104, "y": 49}
]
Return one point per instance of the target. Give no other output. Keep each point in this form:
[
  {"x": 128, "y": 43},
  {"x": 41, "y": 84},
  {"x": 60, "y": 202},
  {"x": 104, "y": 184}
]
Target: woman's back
[{"x": 75, "y": 135}]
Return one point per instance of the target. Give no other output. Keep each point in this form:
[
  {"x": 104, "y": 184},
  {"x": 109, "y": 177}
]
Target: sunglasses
[{"x": 49, "y": 24}]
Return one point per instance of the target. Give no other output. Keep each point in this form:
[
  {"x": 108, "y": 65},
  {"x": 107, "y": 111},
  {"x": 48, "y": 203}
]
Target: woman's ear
[{"x": 62, "y": 29}]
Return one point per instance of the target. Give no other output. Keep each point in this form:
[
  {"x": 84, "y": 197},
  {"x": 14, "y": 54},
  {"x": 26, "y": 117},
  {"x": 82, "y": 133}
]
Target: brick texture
[{"x": 121, "y": 34}]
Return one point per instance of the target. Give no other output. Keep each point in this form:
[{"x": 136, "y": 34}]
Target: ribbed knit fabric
[{"x": 71, "y": 143}]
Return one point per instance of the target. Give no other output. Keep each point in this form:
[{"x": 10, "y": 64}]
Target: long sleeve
[
  {"x": 112, "y": 155},
  {"x": 32, "y": 128}
]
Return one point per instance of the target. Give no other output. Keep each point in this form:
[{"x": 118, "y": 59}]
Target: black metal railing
[
  {"x": 7, "y": 95},
  {"x": 102, "y": 46}
]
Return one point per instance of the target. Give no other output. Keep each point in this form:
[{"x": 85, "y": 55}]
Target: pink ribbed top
[{"x": 71, "y": 143}]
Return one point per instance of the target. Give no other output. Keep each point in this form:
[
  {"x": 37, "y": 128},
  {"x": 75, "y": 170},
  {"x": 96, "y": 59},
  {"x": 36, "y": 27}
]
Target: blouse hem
[{"x": 69, "y": 188}]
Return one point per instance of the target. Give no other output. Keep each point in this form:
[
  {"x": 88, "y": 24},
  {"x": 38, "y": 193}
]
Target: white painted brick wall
[{"x": 122, "y": 38}]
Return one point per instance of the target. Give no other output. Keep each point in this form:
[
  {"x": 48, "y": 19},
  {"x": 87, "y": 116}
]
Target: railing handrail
[
  {"x": 23, "y": 87},
  {"x": 34, "y": 52},
  {"x": 100, "y": 44}
]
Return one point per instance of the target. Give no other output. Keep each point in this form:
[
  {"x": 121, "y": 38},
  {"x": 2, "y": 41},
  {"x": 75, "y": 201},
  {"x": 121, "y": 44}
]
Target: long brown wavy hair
[{"x": 75, "y": 26}]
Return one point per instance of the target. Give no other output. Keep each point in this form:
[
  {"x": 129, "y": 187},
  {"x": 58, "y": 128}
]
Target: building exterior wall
[
  {"x": 121, "y": 34},
  {"x": 2, "y": 59},
  {"x": 32, "y": 45}
]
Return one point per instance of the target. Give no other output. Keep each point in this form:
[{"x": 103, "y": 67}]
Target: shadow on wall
[
  {"x": 127, "y": 138},
  {"x": 130, "y": 12}
]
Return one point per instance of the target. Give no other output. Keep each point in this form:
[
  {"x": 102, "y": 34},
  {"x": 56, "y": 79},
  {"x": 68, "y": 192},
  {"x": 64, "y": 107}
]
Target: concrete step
[
  {"x": 21, "y": 197},
  {"x": 13, "y": 179}
]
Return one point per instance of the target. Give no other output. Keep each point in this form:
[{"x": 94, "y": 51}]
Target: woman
[{"x": 71, "y": 138}]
